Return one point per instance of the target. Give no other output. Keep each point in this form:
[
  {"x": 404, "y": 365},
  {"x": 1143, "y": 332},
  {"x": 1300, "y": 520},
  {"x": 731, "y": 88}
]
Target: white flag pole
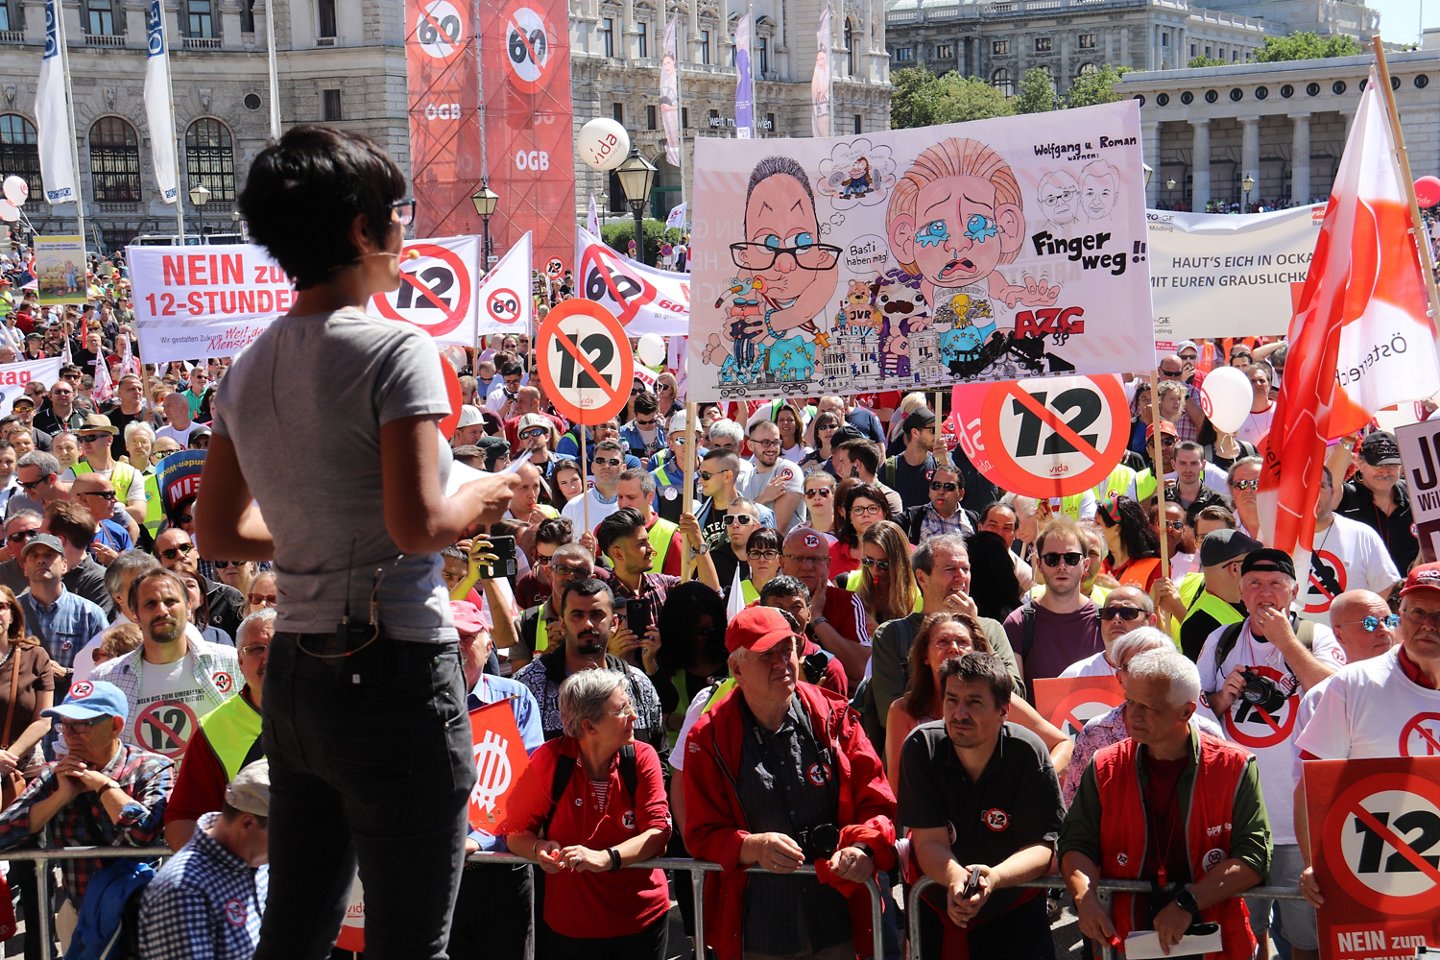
[{"x": 70, "y": 121}]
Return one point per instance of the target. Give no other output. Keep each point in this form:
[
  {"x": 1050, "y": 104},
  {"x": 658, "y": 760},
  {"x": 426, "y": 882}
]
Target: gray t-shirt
[{"x": 303, "y": 406}]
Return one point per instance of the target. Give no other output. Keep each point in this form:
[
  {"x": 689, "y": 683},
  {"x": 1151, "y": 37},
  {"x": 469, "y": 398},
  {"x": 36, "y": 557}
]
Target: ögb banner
[
  {"x": 204, "y": 301},
  {"x": 441, "y": 60},
  {"x": 1375, "y": 846},
  {"x": 529, "y": 140},
  {"x": 14, "y": 377},
  {"x": 1420, "y": 451},
  {"x": 645, "y": 300},
  {"x": 1228, "y": 275},
  {"x": 437, "y": 289},
  {"x": 993, "y": 250},
  {"x": 1043, "y": 438}
]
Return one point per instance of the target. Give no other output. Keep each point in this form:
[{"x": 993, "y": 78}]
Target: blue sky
[{"x": 1400, "y": 19}]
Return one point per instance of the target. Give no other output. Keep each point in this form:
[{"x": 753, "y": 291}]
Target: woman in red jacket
[{"x": 589, "y": 803}]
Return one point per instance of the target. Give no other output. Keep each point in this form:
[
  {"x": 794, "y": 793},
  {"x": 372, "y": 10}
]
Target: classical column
[
  {"x": 1150, "y": 147},
  {"x": 1200, "y": 176},
  {"x": 1249, "y": 157},
  {"x": 1300, "y": 158}
]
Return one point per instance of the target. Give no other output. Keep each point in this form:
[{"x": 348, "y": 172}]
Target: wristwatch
[
  {"x": 703, "y": 548},
  {"x": 1185, "y": 900}
]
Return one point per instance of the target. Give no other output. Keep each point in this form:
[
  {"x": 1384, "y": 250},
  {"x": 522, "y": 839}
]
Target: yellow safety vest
[
  {"x": 852, "y": 583},
  {"x": 1224, "y": 613},
  {"x": 154, "y": 510},
  {"x": 1118, "y": 482},
  {"x": 1145, "y": 484},
  {"x": 121, "y": 476},
  {"x": 232, "y": 729},
  {"x": 661, "y": 533},
  {"x": 1189, "y": 586}
]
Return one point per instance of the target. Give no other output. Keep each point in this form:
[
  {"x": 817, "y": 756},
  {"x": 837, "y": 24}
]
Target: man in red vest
[{"x": 1173, "y": 806}]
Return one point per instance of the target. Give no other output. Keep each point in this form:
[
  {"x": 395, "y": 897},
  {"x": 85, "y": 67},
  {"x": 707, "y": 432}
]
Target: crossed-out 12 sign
[
  {"x": 1386, "y": 829},
  {"x": 434, "y": 292},
  {"x": 527, "y": 47},
  {"x": 586, "y": 364},
  {"x": 439, "y": 29},
  {"x": 554, "y": 267},
  {"x": 1050, "y": 437}
]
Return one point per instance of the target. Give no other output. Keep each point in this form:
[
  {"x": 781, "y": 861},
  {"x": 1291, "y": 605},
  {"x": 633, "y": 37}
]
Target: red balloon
[{"x": 1427, "y": 191}]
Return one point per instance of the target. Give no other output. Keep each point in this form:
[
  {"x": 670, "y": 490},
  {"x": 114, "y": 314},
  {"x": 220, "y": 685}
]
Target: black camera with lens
[
  {"x": 819, "y": 842},
  {"x": 1261, "y": 692}
]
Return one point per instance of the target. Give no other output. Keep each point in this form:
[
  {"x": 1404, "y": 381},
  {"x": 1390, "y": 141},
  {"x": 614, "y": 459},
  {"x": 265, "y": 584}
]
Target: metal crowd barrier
[
  {"x": 696, "y": 869},
  {"x": 1103, "y": 889}
]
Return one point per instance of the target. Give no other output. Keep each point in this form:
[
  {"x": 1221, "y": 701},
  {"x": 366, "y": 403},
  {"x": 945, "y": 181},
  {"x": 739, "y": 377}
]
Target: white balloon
[
  {"x": 9, "y": 212},
  {"x": 603, "y": 144},
  {"x": 16, "y": 190},
  {"x": 1226, "y": 397},
  {"x": 650, "y": 348}
]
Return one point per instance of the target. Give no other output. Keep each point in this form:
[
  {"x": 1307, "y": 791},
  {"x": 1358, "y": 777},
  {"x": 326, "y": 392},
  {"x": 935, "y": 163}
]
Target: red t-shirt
[
  {"x": 201, "y": 789},
  {"x": 606, "y": 904},
  {"x": 846, "y": 614},
  {"x": 840, "y": 559}
]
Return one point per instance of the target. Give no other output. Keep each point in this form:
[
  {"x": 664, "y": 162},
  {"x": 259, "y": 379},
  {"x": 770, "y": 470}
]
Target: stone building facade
[
  {"x": 1281, "y": 124},
  {"x": 344, "y": 63}
]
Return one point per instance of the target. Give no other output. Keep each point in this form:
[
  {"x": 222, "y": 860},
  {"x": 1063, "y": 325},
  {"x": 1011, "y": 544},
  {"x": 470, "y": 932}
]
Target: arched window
[
  {"x": 210, "y": 158},
  {"x": 849, "y": 48},
  {"x": 1001, "y": 81},
  {"x": 19, "y": 154},
  {"x": 114, "y": 161},
  {"x": 1087, "y": 67}
]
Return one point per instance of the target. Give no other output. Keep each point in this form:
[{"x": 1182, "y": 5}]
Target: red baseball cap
[
  {"x": 1165, "y": 427},
  {"x": 1424, "y": 577},
  {"x": 757, "y": 628}
]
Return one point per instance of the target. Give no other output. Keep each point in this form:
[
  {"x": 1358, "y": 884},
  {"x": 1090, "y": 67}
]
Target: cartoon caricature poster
[{"x": 992, "y": 250}]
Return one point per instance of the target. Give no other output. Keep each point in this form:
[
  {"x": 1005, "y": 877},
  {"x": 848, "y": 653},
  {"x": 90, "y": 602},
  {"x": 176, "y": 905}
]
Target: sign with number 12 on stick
[
  {"x": 1375, "y": 847},
  {"x": 1044, "y": 438},
  {"x": 586, "y": 365}
]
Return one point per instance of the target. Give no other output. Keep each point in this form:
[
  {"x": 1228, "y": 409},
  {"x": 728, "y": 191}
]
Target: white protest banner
[
  {"x": 645, "y": 299},
  {"x": 437, "y": 292},
  {"x": 1228, "y": 275},
  {"x": 14, "y": 377},
  {"x": 505, "y": 300},
  {"x": 993, "y": 250},
  {"x": 1420, "y": 452},
  {"x": 204, "y": 301}
]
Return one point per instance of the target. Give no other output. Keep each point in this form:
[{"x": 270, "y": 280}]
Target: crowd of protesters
[{"x": 845, "y": 681}]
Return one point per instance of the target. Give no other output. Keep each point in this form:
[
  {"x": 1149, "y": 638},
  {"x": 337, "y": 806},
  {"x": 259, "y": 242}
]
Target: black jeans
[
  {"x": 494, "y": 914},
  {"x": 370, "y": 765},
  {"x": 648, "y": 944}
]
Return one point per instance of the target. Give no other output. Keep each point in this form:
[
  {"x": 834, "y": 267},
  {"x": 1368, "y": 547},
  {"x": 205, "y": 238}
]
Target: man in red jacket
[{"x": 778, "y": 775}]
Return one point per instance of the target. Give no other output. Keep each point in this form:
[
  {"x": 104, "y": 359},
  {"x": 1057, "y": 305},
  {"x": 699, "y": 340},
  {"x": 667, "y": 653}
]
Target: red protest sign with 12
[
  {"x": 1071, "y": 702},
  {"x": 585, "y": 362},
  {"x": 1049, "y": 437},
  {"x": 434, "y": 292},
  {"x": 1375, "y": 844}
]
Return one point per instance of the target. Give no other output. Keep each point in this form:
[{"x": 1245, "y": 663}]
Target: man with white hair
[
  {"x": 1125, "y": 609},
  {"x": 1173, "y": 806}
]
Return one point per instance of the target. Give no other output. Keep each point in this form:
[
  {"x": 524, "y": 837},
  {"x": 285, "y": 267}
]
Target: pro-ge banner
[
  {"x": 1228, "y": 275},
  {"x": 994, "y": 250}
]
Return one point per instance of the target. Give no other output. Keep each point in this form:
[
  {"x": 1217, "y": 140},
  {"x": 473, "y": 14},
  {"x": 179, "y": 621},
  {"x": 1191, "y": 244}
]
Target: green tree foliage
[
  {"x": 617, "y": 236},
  {"x": 921, "y": 99},
  {"x": 1097, "y": 86},
  {"x": 1205, "y": 62},
  {"x": 1306, "y": 46},
  {"x": 1037, "y": 93}
]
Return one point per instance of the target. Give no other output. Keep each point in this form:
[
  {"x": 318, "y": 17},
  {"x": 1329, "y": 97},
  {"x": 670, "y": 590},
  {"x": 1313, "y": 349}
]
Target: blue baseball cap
[{"x": 89, "y": 699}]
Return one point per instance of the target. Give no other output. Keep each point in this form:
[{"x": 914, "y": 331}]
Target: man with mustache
[
  {"x": 173, "y": 680},
  {"x": 587, "y": 616}
]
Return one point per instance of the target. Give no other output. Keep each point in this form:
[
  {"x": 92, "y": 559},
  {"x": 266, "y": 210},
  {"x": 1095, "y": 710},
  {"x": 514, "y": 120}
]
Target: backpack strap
[
  {"x": 564, "y": 766},
  {"x": 1305, "y": 633},
  {"x": 1027, "y": 627},
  {"x": 888, "y": 472},
  {"x": 1228, "y": 638},
  {"x": 628, "y": 773}
]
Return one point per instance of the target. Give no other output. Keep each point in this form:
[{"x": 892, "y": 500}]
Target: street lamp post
[
  {"x": 1170, "y": 189},
  {"x": 485, "y": 200},
  {"x": 1247, "y": 185},
  {"x": 200, "y": 195},
  {"x": 637, "y": 175}
]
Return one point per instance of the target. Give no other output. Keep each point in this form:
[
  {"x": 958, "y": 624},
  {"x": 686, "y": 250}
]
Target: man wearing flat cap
[
  {"x": 1218, "y": 603},
  {"x": 1253, "y": 675},
  {"x": 1378, "y": 495},
  {"x": 778, "y": 775},
  {"x": 207, "y": 900},
  {"x": 102, "y": 793}
]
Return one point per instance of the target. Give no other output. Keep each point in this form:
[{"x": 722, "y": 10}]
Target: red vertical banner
[
  {"x": 529, "y": 118},
  {"x": 441, "y": 64}
]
